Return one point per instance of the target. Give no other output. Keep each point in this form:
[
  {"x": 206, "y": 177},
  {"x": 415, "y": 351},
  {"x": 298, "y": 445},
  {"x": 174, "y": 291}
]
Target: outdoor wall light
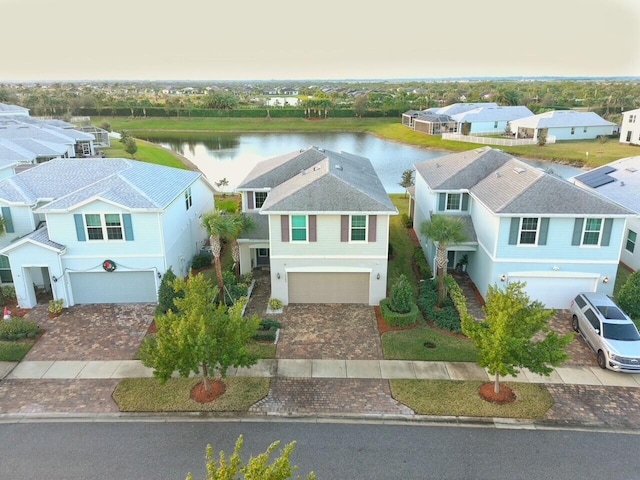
[
  {"x": 605, "y": 280},
  {"x": 503, "y": 278},
  {"x": 159, "y": 275},
  {"x": 278, "y": 275},
  {"x": 54, "y": 278},
  {"x": 378, "y": 277}
]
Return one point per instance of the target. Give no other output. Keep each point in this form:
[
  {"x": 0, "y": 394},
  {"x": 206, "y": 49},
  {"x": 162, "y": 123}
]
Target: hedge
[
  {"x": 398, "y": 319},
  {"x": 446, "y": 316},
  {"x": 18, "y": 328}
]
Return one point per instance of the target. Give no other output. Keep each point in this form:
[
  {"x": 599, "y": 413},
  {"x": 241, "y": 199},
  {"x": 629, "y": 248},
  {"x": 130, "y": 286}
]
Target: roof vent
[
  {"x": 622, "y": 184},
  {"x": 498, "y": 175},
  {"x": 316, "y": 168},
  {"x": 437, "y": 165},
  {"x": 302, "y": 172},
  {"x": 321, "y": 149},
  {"x": 338, "y": 167},
  {"x": 519, "y": 170},
  {"x": 631, "y": 169}
]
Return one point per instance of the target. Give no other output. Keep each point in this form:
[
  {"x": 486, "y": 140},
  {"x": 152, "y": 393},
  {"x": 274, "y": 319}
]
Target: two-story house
[
  {"x": 322, "y": 227},
  {"x": 99, "y": 230},
  {"x": 630, "y": 127},
  {"x": 620, "y": 182},
  {"x": 523, "y": 224}
]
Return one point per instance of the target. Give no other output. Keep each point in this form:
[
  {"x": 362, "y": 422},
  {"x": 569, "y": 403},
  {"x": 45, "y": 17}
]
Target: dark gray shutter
[
  {"x": 79, "y": 227},
  {"x": 606, "y": 233},
  {"x": 373, "y": 227},
  {"x": 312, "y": 229},
  {"x": 442, "y": 198},
  {"x": 577, "y": 231},
  {"x": 8, "y": 222},
  {"x": 513, "y": 231},
  {"x": 544, "y": 230},
  {"x": 284, "y": 227},
  {"x": 344, "y": 228},
  {"x": 128, "y": 227},
  {"x": 250, "y": 200},
  {"x": 465, "y": 202}
]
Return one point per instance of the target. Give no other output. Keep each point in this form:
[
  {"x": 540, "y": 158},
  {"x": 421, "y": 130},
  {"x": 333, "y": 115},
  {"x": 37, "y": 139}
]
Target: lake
[{"x": 232, "y": 156}]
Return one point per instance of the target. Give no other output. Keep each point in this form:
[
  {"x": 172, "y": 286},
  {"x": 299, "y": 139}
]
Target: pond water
[{"x": 232, "y": 156}]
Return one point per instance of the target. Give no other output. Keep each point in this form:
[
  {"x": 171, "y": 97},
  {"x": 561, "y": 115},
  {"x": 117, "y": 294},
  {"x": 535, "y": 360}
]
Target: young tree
[
  {"x": 256, "y": 468},
  {"x": 221, "y": 184},
  {"x": 444, "y": 231},
  {"x": 166, "y": 293},
  {"x": 542, "y": 137},
  {"x": 360, "y": 105},
  {"x": 629, "y": 296},
  {"x": 203, "y": 338},
  {"x": 401, "y": 296},
  {"x": 407, "y": 180},
  {"x": 130, "y": 146},
  {"x": 515, "y": 334}
]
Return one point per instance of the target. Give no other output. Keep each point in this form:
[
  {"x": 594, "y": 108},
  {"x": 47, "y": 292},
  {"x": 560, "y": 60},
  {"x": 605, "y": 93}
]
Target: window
[
  {"x": 573, "y": 130},
  {"x": 358, "y": 228},
  {"x": 631, "y": 241},
  {"x": 495, "y": 124},
  {"x": 591, "y": 234},
  {"x": 260, "y": 197},
  {"x": 528, "y": 231},
  {"x": 593, "y": 319},
  {"x": 187, "y": 198},
  {"x": 104, "y": 226},
  {"x": 632, "y": 119},
  {"x": 5, "y": 270},
  {"x": 584, "y": 130},
  {"x": 298, "y": 228},
  {"x": 454, "y": 201}
]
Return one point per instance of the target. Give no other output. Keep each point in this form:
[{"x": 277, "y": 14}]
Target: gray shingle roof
[
  {"x": 260, "y": 231},
  {"x": 41, "y": 236},
  {"x": 67, "y": 182},
  {"x": 335, "y": 182},
  {"x": 274, "y": 171}
]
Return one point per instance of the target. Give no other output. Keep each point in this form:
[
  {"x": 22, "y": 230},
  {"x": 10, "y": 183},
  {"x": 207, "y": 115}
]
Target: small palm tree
[
  {"x": 241, "y": 223},
  {"x": 444, "y": 231},
  {"x": 219, "y": 225}
]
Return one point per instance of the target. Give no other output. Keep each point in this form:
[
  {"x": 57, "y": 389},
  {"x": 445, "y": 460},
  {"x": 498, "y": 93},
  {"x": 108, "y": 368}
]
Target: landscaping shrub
[
  {"x": 406, "y": 221},
  {"x": 8, "y": 292},
  {"x": 56, "y": 306},
  {"x": 629, "y": 296},
  {"x": 166, "y": 293},
  {"x": 18, "y": 328},
  {"x": 421, "y": 262},
  {"x": 446, "y": 316},
  {"x": 275, "y": 304},
  {"x": 456, "y": 295},
  {"x": 267, "y": 330},
  {"x": 234, "y": 288},
  {"x": 201, "y": 260},
  {"x": 401, "y": 297},
  {"x": 396, "y": 319}
]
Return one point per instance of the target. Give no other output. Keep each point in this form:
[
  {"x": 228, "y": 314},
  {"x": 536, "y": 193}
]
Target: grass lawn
[
  {"x": 402, "y": 246},
  {"x": 147, "y": 152},
  {"x": 410, "y": 345},
  {"x": 621, "y": 278},
  {"x": 228, "y": 203},
  {"x": 147, "y": 395},
  {"x": 446, "y": 397},
  {"x": 14, "y": 351}
]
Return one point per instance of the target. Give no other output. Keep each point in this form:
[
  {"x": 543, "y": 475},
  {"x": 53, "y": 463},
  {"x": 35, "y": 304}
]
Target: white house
[
  {"x": 563, "y": 125},
  {"x": 99, "y": 230},
  {"x": 620, "y": 182},
  {"x": 13, "y": 110},
  {"x": 322, "y": 227},
  {"x": 630, "y": 128},
  {"x": 522, "y": 224}
]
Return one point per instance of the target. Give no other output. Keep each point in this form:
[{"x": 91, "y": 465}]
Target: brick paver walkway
[{"x": 91, "y": 332}]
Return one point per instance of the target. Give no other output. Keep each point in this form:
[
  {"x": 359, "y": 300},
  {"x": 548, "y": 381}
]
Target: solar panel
[{"x": 598, "y": 177}]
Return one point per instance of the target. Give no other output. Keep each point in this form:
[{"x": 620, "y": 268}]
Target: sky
[{"x": 53, "y": 40}]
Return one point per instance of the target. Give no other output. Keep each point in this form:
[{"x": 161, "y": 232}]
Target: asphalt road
[{"x": 149, "y": 450}]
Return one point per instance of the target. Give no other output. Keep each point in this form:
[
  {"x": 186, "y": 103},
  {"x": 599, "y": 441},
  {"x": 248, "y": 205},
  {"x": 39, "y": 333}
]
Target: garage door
[
  {"x": 113, "y": 287},
  {"x": 555, "y": 292},
  {"x": 328, "y": 287}
]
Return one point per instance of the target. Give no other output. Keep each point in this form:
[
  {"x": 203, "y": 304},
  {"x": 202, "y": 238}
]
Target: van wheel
[
  {"x": 602, "y": 360},
  {"x": 574, "y": 324}
]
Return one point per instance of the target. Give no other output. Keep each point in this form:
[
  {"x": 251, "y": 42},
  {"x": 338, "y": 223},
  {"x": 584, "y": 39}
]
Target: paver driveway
[
  {"x": 337, "y": 331},
  {"x": 91, "y": 332}
]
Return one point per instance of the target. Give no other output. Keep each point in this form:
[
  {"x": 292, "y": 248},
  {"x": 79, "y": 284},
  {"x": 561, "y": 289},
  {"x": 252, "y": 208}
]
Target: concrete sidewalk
[{"x": 295, "y": 368}]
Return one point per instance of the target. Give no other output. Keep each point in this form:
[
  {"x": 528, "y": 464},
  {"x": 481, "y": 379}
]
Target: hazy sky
[{"x": 333, "y": 39}]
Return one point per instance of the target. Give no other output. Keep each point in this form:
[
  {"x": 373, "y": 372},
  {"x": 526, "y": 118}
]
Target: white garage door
[
  {"x": 555, "y": 292},
  {"x": 328, "y": 287},
  {"x": 113, "y": 287}
]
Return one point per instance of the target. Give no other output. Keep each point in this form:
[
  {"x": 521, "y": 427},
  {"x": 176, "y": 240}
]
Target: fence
[{"x": 503, "y": 142}]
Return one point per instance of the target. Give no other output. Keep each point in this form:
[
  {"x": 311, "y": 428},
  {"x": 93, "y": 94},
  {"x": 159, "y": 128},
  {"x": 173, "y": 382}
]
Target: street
[{"x": 168, "y": 450}]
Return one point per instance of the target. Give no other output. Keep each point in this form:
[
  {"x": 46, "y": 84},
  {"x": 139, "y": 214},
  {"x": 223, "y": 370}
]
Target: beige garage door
[{"x": 327, "y": 287}]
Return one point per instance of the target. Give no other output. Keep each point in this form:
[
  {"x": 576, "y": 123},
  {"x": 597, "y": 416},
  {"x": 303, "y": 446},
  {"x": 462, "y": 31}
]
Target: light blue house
[
  {"x": 522, "y": 224},
  {"x": 99, "y": 230},
  {"x": 563, "y": 125}
]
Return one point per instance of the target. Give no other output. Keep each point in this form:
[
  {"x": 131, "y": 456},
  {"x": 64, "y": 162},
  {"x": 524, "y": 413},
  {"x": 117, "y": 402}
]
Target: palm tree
[
  {"x": 219, "y": 225},
  {"x": 241, "y": 223},
  {"x": 443, "y": 230}
]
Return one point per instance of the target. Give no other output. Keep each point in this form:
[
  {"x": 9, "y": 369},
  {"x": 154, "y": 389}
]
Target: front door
[
  {"x": 451, "y": 258},
  {"x": 263, "y": 257}
]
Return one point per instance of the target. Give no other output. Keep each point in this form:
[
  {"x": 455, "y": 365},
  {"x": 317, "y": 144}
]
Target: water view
[{"x": 232, "y": 156}]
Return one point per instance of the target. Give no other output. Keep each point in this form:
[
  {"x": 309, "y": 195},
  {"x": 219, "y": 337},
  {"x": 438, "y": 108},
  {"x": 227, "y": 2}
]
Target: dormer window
[
  {"x": 454, "y": 201},
  {"x": 260, "y": 198}
]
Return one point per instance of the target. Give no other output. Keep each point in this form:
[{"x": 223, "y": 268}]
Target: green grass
[
  {"x": 573, "y": 152},
  {"x": 262, "y": 349},
  {"x": 228, "y": 203},
  {"x": 621, "y": 278},
  {"x": 456, "y": 398},
  {"x": 401, "y": 244},
  {"x": 147, "y": 152},
  {"x": 14, "y": 351},
  {"x": 410, "y": 345},
  {"x": 147, "y": 395}
]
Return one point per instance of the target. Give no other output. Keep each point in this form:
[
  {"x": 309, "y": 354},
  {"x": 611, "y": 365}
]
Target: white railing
[{"x": 504, "y": 142}]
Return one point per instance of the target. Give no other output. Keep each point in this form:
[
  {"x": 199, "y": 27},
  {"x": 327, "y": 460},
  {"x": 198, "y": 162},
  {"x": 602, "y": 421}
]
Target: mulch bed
[
  {"x": 506, "y": 395},
  {"x": 200, "y": 395}
]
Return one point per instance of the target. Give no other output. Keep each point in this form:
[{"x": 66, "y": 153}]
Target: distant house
[
  {"x": 522, "y": 224},
  {"x": 620, "y": 181},
  {"x": 467, "y": 118},
  {"x": 6, "y": 110},
  {"x": 630, "y": 128},
  {"x": 99, "y": 230},
  {"x": 563, "y": 125},
  {"x": 322, "y": 227}
]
